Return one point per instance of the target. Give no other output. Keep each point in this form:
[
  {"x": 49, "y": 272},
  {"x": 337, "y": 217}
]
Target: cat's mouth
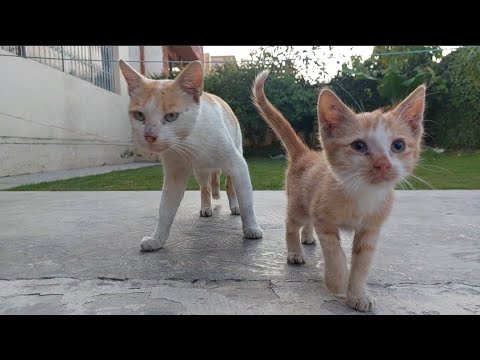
[
  {"x": 379, "y": 178},
  {"x": 155, "y": 146}
]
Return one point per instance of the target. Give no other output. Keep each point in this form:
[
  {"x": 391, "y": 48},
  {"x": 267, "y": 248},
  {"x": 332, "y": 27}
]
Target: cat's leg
[
  {"x": 232, "y": 196},
  {"x": 203, "y": 179},
  {"x": 175, "y": 182},
  {"x": 295, "y": 250},
  {"x": 336, "y": 273},
  {"x": 363, "y": 249},
  {"x": 307, "y": 233},
  {"x": 238, "y": 170},
  {"x": 215, "y": 184}
]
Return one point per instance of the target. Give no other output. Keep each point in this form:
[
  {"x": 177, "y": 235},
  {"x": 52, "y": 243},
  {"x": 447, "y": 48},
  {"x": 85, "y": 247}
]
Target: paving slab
[{"x": 78, "y": 253}]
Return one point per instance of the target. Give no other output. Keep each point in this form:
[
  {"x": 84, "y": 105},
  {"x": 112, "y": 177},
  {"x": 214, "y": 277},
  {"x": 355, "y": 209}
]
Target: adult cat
[
  {"x": 192, "y": 131},
  {"x": 349, "y": 184}
]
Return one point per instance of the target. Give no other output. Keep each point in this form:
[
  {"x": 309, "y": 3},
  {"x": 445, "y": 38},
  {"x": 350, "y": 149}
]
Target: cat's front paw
[
  {"x": 364, "y": 302},
  {"x": 235, "y": 210},
  {"x": 254, "y": 232},
  {"x": 296, "y": 258},
  {"x": 206, "y": 212},
  {"x": 150, "y": 244}
]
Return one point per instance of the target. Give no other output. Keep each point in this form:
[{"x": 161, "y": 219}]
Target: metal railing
[{"x": 90, "y": 63}]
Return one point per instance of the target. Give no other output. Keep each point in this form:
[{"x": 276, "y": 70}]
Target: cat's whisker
[
  {"x": 182, "y": 156},
  {"x": 422, "y": 181},
  {"x": 188, "y": 151},
  {"x": 425, "y": 166},
  {"x": 190, "y": 146},
  {"x": 362, "y": 109}
]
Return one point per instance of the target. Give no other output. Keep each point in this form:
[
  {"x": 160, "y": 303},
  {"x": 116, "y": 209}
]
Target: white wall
[
  {"x": 33, "y": 91},
  {"x": 134, "y": 54},
  {"x": 153, "y": 53}
]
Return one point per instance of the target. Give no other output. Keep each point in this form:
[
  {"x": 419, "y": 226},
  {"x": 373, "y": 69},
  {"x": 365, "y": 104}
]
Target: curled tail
[{"x": 274, "y": 118}]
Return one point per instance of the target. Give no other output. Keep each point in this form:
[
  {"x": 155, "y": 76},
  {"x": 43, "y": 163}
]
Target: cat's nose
[
  {"x": 383, "y": 165},
  {"x": 150, "y": 139}
]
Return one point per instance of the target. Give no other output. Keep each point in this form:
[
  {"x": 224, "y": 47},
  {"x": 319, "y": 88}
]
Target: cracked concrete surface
[{"x": 78, "y": 253}]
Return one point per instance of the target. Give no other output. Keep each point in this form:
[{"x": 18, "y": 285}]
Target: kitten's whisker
[
  {"x": 362, "y": 109},
  {"x": 423, "y": 181},
  {"x": 425, "y": 166}
]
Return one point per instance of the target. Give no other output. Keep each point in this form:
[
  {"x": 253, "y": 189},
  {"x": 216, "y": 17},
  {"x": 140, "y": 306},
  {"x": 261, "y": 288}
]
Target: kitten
[
  {"x": 349, "y": 184},
  {"x": 192, "y": 131}
]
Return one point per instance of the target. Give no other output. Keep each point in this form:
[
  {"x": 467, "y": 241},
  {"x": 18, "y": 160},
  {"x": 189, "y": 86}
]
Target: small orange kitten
[
  {"x": 349, "y": 185},
  {"x": 193, "y": 131}
]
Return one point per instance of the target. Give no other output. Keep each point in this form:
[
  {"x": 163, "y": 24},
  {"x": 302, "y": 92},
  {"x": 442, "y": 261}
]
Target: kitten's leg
[
  {"x": 232, "y": 196},
  {"x": 294, "y": 247},
  {"x": 243, "y": 188},
  {"x": 215, "y": 184},
  {"x": 206, "y": 199},
  {"x": 336, "y": 273},
  {"x": 174, "y": 185},
  {"x": 363, "y": 249},
  {"x": 307, "y": 234}
]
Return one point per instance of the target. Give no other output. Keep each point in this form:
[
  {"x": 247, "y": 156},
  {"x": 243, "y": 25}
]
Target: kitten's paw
[
  {"x": 296, "y": 258},
  {"x": 308, "y": 239},
  {"x": 254, "y": 232},
  {"x": 150, "y": 244},
  {"x": 362, "y": 303},
  {"x": 235, "y": 210},
  {"x": 206, "y": 212}
]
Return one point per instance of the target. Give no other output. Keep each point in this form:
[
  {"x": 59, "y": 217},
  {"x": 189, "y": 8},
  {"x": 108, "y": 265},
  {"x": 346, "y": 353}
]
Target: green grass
[{"x": 441, "y": 171}]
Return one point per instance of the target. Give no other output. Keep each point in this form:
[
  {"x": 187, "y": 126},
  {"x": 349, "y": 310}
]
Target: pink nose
[
  {"x": 150, "y": 139},
  {"x": 382, "y": 165}
]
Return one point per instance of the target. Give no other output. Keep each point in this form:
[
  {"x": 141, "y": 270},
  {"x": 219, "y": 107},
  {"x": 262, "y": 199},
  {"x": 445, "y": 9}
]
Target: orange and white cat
[
  {"x": 349, "y": 184},
  {"x": 193, "y": 131}
]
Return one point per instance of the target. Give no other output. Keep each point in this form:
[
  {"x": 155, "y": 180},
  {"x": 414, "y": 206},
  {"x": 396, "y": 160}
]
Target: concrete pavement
[{"x": 78, "y": 253}]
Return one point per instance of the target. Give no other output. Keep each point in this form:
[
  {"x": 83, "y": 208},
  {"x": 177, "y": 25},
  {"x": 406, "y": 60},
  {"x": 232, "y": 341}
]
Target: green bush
[
  {"x": 295, "y": 98},
  {"x": 455, "y": 113}
]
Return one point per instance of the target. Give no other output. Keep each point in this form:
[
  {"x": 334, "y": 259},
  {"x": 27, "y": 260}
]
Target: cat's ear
[
  {"x": 133, "y": 78},
  {"x": 412, "y": 108},
  {"x": 190, "y": 80},
  {"x": 332, "y": 111}
]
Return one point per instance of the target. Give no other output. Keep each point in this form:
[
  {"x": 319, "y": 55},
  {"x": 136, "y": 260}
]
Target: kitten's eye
[
  {"x": 139, "y": 115},
  {"x": 171, "y": 117},
  {"x": 398, "y": 146},
  {"x": 359, "y": 146}
]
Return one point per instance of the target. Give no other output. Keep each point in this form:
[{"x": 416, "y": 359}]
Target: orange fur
[{"x": 339, "y": 187}]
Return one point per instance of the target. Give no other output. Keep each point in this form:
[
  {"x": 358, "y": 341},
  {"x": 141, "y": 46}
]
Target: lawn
[{"x": 440, "y": 171}]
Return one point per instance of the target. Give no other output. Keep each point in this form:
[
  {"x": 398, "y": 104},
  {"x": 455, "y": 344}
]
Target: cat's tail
[
  {"x": 274, "y": 118},
  {"x": 215, "y": 184}
]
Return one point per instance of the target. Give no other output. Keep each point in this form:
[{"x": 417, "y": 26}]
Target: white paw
[
  {"x": 150, "y": 244},
  {"x": 206, "y": 212},
  {"x": 254, "y": 232},
  {"x": 235, "y": 210},
  {"x": 296, "y": 258},
  {"x": 308, "y": 239},
  {"x": 363, "y": 303}
]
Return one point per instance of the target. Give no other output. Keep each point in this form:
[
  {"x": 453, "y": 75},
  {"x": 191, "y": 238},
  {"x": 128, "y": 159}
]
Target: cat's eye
[
  {"x": 398, "y": 146},
  {"x": 139, "y": 115},
  {"x": 171, "y": 117},
  {"x": 359, "y": 146}
]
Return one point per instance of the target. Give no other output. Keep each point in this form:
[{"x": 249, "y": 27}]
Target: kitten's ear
[
  {"x": 412, "y": 108},
  {"x": 332, "y": 111},
  {"x": 133, "y": 78},
  {"x": 190, "y": 79}
]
